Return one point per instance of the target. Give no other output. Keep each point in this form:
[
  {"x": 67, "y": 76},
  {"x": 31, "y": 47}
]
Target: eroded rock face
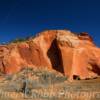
[
  {"x": 71, "y": 54},
  {"x": 80, "y": 56}
]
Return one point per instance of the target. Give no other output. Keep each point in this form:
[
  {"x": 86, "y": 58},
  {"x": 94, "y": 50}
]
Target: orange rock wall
[{"x": 61, "y": 50}]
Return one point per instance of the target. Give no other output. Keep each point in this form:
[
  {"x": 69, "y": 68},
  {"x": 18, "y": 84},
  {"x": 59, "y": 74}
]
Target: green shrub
[{"x": 19, "y": 40}]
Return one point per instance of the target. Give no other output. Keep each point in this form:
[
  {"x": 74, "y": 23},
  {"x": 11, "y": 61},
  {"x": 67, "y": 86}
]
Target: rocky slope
[{"x": 75, "y": 56}]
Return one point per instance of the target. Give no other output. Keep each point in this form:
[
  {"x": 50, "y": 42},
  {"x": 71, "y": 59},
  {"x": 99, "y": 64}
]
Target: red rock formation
[
  {"x": 81, "y": 58},
  {"x": 85, "y": 36},
  {"x": 61, "y": 50}
]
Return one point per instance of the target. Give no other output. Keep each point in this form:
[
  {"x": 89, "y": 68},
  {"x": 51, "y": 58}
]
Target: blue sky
[{"x": 22, "y": 18}]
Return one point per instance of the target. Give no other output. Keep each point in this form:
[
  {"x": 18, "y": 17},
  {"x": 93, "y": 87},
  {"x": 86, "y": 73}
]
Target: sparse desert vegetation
[{"x": 43, "y": 84}]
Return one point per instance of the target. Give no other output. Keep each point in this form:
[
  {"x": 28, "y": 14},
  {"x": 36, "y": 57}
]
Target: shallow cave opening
[
  {"x": 76, "y": 77},
  {"x": 55, "y": 56},
  {"x": 96, "y": 69}
]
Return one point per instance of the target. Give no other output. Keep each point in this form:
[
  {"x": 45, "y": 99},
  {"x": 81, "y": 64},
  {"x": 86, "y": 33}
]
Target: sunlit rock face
[
  {"x": 80, "y": 57},
  {"x": 74, "y": 55}
]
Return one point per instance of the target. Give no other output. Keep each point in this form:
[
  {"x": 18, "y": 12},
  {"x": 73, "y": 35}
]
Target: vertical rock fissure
[
  {"x": 54, "y": 55},
  {"x": 3, "y": 66}
]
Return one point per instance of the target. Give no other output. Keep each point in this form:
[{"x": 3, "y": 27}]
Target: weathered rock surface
[{"x": 71, "y": 54}]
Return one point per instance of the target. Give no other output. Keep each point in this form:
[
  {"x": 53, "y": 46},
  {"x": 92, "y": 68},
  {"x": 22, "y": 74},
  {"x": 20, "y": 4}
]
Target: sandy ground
[{"x": 45, "y": 85}]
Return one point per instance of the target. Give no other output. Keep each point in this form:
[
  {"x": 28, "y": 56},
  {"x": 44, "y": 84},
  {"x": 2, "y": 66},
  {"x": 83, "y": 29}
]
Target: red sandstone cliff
[{"x": 61, "y": 50}]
